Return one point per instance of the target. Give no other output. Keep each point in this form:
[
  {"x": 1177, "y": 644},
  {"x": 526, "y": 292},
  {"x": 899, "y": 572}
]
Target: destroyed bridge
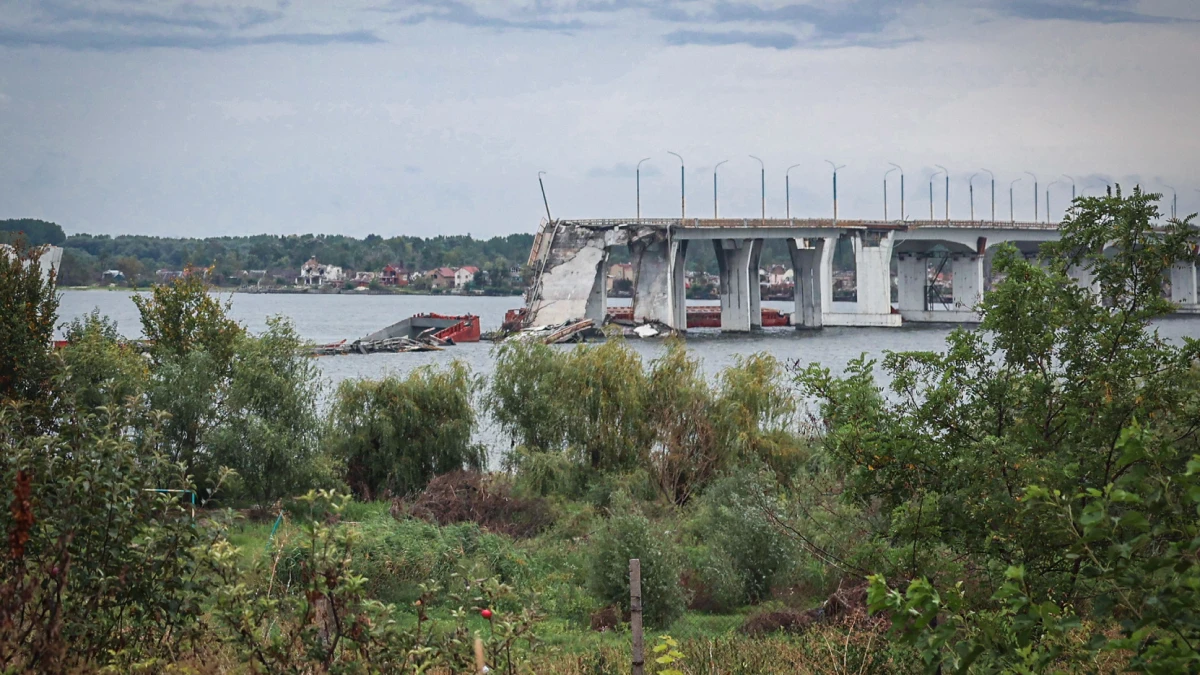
[{"x": 570, "y": 258}]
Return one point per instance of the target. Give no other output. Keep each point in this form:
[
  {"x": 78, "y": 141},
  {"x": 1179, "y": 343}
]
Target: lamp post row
[{"x": 895, "y": 167}]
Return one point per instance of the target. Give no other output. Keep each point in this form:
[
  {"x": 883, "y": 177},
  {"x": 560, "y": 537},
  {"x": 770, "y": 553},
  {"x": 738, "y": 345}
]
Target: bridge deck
[{"x": 808, "y": 223}]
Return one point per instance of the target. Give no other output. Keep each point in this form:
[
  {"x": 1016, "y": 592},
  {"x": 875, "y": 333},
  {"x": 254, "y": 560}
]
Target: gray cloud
[
  {"x": 111, "y": 41},
  {"x": 463, "y": 14},
  {"x": 760, "y": 39},
  {"x": 1086, "y": 11},
  {"x": 188, "y": 15}
]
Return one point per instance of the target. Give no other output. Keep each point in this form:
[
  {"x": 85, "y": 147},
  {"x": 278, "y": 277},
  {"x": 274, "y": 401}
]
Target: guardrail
[{"x": 808, "y": 223}]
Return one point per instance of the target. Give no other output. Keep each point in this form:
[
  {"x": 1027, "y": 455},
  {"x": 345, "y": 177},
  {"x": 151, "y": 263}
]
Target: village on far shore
[{"x": 777, "y": 281}]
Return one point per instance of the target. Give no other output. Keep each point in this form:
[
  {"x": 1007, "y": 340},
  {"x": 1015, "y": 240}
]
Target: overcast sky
[{"x": 431, "y": 117}]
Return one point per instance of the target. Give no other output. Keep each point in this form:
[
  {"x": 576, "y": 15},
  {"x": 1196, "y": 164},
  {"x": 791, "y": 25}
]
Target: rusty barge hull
[
  {"x": 464, "y": 328},
  {"x": 709, "y": 316}
]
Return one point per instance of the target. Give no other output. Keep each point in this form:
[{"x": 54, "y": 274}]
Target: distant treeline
[{"x": 87, "y": 256}]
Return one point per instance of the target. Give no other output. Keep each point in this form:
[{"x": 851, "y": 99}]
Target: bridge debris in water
[{"x": 418, "y": 333}]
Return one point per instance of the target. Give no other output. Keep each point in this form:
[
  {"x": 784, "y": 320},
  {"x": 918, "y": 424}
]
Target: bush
[
  {"x": 102, "y": 369},
  {"x": 731, "y": 518},
  {"x": 100, "y": 568},
  {"x": 396, "y": 434},
  {"x": 627, "y": 536},
  {"x": 27, "y": 313},
  {"x": 269, "y": 427},
  {"x": 469, "y": 496},
  {"x": 713, "y": 580}
]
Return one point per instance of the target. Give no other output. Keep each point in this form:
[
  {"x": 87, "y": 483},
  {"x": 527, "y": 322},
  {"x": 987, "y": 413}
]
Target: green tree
[
  {"x": 184, "y": 316},
  {"x": 394, "y": 434},
  {"x": 628, "y": 535},
  {"x": 28, "y": 308},
  {"x": 102, "y": 369},
  {"x": 269, "y": 421},
  {"x": 1035, "y": 403},
  {"x": 32, "y": 231},
  {"x": 99, "y": 568},
  {"x": 192, "y": 343}
]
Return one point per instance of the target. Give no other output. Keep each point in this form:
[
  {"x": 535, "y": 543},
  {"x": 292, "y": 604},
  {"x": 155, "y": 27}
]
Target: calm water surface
[{"x": 328, "y": 318}]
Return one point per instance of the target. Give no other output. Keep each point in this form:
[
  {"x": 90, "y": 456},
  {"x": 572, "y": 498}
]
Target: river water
[{"x": 328, "y": 318}]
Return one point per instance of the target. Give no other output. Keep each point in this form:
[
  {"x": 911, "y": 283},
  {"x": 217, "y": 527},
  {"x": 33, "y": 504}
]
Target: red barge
[{"x": 698, "y": 316}]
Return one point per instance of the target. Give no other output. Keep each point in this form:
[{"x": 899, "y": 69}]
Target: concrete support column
[
  {"x": 809, "y": 289},
  {"x": 1183, "y": 283},
  {"x": 1083, "y": 276},
  {"x": 825, "y": 272},
  {"x": 733, "y": 259},
  {"x": 597, "y": 302},
  {"x": 652, "y": 280},
  {"x": 873, "y": 259},
  {"x": 679, "y": 285},
  {"x": 912, "y": 274},
  {"x": 967, "y": 283},
  {"x": 755, "y": 288}
]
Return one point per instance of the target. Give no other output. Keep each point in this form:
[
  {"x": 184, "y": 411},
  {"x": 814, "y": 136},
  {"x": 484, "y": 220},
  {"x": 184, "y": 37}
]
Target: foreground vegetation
[{"x": 1025, "y": 501}]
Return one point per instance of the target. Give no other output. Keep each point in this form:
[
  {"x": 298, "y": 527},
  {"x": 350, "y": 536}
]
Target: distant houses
[
  {"x": 465, "y": 276},
  {"x": 317, "y": 274},
  {"x": 313, "y": 273}
]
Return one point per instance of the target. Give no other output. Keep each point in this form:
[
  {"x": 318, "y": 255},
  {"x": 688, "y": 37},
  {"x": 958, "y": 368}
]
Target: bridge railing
[{"x": 811, "y": 223}]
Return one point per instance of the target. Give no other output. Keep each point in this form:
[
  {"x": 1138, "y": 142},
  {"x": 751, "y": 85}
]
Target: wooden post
[{"x": 635, "y": 615}]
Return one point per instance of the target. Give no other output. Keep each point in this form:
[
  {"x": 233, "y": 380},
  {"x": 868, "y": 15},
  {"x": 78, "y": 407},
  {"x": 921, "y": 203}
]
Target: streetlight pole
[
  {"x": 971, "y": 188},
  {"x": 1035, "y": 196},
  {"x": 901, "y": 189},
  {"x": 762, "y": 175},
  {"x": 1052, "y": 184},
  {"x": 931, "y": 177},
  {"x": 993, "y": 192},
  {"x": 639, "y": 187},
  {"x": 682, "y": 187},
  {"x": 885, "y": 175},
  {"x": 715, "y": 186},
  {"x": 787, "y": 190},
  {"x": 1012, "y": 214},
  {"x": 1174, "y": 198},
  {"x": 546, "y": 203},
  {"x": 947, "y": 190},
  {"x": 1072, "y": 187},
  {"x": 835, "y": 170}
]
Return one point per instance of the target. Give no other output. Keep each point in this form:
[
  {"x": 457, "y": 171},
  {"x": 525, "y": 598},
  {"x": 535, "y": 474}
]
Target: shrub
[
  {"x": 396, "y": 434},
  {"x": 269, "y": 427},
  {"x": 689, "y": 450},
  {"x": 102, "y": 369},
  {"x": 731, "y": 518},
  {"x": 27, "y": 313},
  {"x": 99, "y": 568},
  {"x": 469, "y": 496},
  {"x": 523, "y": 394},
  {"x": 627, "y": 536},
  {"x": 713, "y": 580}
]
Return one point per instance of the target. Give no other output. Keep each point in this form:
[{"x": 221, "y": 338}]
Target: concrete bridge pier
[
  {"x": 809, "y": 282},
  {"x": 678, "y": 285},
  {"x": 1084, "y": 277},
  {"x": 733, "y": 260},
  {"x": 873, "y": 262},
  {"x": 657, "y": 273},
  {"x": 966, "y": 287},
  {"x": 912, "y": 275},
  {"x": 755, "y": 264},
  {"x": 1183, "y": 283},
  {"x": 825, "y": 273}
]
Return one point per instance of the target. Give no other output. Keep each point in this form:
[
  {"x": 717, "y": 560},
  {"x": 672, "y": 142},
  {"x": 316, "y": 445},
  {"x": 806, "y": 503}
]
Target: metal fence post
[{"x": 635, "y": 615}]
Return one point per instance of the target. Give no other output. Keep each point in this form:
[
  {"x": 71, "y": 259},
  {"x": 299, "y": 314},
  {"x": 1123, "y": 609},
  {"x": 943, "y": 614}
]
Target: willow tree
[{"x": 1038, "y": 401}]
